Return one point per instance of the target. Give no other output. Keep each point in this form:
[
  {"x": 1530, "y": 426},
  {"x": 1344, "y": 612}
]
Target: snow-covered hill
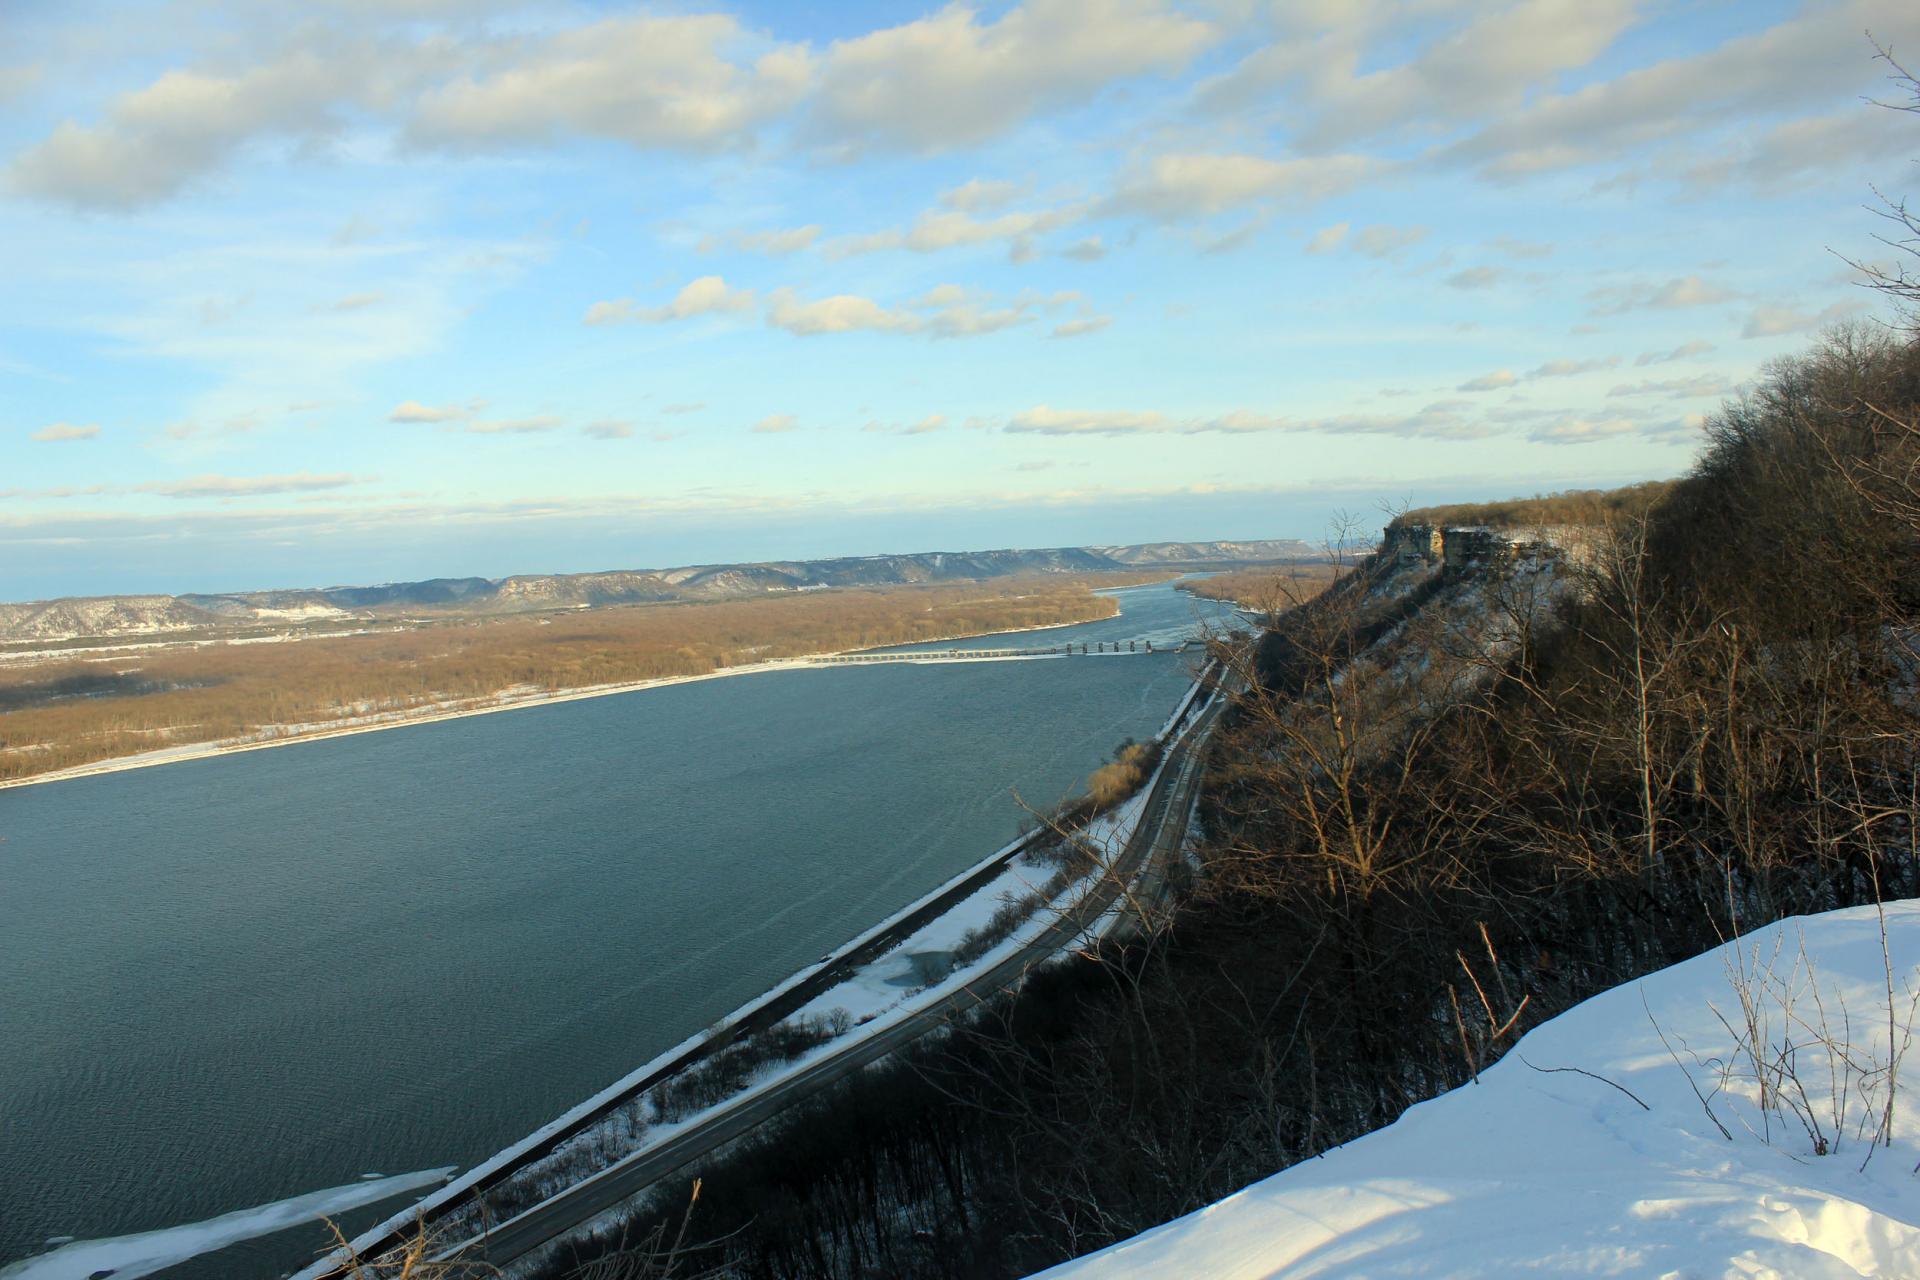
[{"x": 1539, "y": 1170}]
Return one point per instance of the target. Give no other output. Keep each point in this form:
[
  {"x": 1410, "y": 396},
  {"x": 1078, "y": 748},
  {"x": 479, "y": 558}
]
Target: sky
[{"x": 367, "y": 290}]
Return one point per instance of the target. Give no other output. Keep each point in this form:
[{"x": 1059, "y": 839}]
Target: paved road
[{"x": 1156, "y": 840}]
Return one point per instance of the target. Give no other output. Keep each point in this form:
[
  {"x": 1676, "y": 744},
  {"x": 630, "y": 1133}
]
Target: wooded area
[
  {"x": 1591, "y": 508},
  {"x": 1268, "y": 589}
]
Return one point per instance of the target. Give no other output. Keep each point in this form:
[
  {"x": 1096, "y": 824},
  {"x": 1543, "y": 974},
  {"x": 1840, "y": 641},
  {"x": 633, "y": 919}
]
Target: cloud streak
[
  {"x": 223, "y": 486},
  {"x": 707, "y": 295},
  {"x": 61, "y": 432}
]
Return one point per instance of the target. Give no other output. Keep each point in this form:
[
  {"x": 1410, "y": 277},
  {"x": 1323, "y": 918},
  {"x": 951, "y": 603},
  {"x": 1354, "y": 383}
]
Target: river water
[{"x": 229, "y": 981}]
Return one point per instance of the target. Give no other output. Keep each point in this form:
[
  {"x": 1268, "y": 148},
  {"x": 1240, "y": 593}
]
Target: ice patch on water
[{"x": 142, "y": 1254}]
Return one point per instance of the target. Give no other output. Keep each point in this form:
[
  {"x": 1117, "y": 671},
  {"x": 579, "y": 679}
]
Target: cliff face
[
  {"x": 1150, "y": 553},
  {"x": 57, "y": 620}
]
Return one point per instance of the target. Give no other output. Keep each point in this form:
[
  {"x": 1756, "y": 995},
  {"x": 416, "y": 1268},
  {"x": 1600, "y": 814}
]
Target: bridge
[{"x": 1098, "y": 647}]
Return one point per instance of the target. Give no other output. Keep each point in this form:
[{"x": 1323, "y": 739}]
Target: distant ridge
[{"x": 67, "y": 619}]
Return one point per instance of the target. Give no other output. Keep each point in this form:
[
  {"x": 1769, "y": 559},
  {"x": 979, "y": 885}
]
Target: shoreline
[{"x": 434, "y": 713}]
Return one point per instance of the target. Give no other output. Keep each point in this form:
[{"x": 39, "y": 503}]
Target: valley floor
[{"x": 281, "y": 735}]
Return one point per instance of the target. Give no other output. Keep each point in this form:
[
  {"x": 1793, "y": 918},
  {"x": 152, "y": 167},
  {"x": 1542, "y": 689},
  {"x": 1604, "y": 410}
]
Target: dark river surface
[{"x": 229, "y": 981}]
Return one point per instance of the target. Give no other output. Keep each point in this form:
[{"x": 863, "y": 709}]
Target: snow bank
[
  {"x": 1542, "y": 1172},
  {"x": 129, "y": 1257}
]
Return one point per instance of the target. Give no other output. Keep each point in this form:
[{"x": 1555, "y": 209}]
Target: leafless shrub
[
  {"x": 1797, "y": 1060},
  {"x": 413, "y": 1259}
]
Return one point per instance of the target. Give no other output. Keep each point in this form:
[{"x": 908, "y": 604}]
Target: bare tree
[{"x": 1897, "y": 280}]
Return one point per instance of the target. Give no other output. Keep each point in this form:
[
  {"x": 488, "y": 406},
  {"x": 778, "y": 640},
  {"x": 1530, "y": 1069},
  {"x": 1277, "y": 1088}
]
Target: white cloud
[
  {"x": 1582, "y": 430},
  {"x": 1514, "y": 248},
  {"x": 1489, "y": 381},
  {"x": 1091, "y": 249},
  {"x": 1685, "y": 351},
  {"x": 219, "y": 486},
  {"x": 514, "y": 426},
  {"x": 1680, "y": 291},
  {"x": 181, "y": 127},
  {"x": 841, "y": 313},
  {"x": 1569, "y": 368},
  {"x": 674, "y": 81},
  {"x": 1811, "y": 58},
  {"x": 945, "y": 311},
  {"x": 938, "y": 229},
  {"x": 950, "y": 80},
  {"x": 16, "y": 80},
  {"x": 608, "y": 429},
  {"x": 1382, "y": 241},
  {"x": 967, "y": 320},
  {"x": 697, "y": 81},
  {"x": 926, "y": 426},
  {"x": 775, "y": 424},
  {"x": 707, "y": 295},
  {"x": 1476, "y": 278},
  {"x": 980, "y": 195},
  {"x": 60, "y": 431},
  {"x": 414, "y": 411},
  {"x": 1486, "y": 65},
  {"x": 1675, "y": 388},
  {"x": 1327, "y": 239},
  {"x": 1176, "y": 187},
  {"x": 1440, "y": 421},
  {"x": 1770, "y": 322},
  {"x": 239, "y": 424},
  {"x": 1045, "y": 420},
  {"x": 1081, "y": 327},
  {"x": 1436, "y": 421},
  {"x": 1786, "y": 156},
  {"x": 778, "y": 242}
]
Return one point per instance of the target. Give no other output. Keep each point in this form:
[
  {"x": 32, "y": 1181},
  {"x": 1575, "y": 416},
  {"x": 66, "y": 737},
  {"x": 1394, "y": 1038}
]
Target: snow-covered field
[{"x": 1539, "y": 1170}]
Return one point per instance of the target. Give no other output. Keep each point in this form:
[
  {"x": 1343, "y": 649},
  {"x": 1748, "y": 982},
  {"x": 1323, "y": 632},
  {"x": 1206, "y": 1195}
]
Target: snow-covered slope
[{"x": 1545, "y": 1172}]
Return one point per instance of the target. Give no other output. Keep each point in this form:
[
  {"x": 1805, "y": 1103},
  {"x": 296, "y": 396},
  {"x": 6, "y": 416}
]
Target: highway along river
[{"x": 232, "y": 981}]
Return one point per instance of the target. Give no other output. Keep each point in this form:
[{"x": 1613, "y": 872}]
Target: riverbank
[{"x": 431, "y": 713}]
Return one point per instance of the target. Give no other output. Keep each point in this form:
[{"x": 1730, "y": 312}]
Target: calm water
[{"x": 235, "y": 980}]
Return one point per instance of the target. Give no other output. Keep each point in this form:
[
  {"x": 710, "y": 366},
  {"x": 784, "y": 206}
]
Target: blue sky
[{"x": 359, "y": 290}]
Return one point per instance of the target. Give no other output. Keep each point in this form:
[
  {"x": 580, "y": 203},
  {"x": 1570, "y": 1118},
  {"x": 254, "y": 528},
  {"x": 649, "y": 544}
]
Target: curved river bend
[{"x": 235, "y": 980}]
